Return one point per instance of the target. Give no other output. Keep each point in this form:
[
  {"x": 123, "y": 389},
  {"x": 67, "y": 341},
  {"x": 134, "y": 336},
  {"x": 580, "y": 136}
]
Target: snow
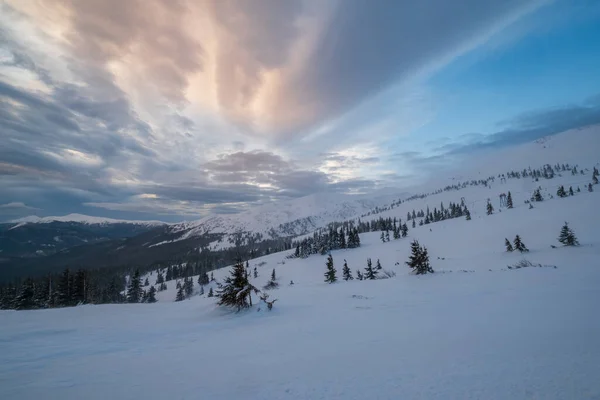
[{"x": 473, "y": 330}]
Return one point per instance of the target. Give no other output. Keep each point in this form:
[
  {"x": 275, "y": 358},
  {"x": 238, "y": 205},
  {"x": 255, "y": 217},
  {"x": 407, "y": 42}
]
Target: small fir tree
[
  {"x": 255, "y": 273},
  {"x": 567, "y": 236},
  {"x": 370, "y": 272},
  {"x": 468, "y": 214},
  {"x": 347, "y": 273},
  {"x": 236, "y": 290},
  {"x": 330, "y": 274},
  {"x": 180, "y": 294},
  {"x": 508, "y": 245},
  {"x": 146, "y": 282},
  {"x": 519, "y": 245},
  {"x": 489, "y": 207},
  {"x": 151, "y": 296},
  {"x": 359, "y": 275},
  {"x": 419, "y": 259},
  {"x": 509, "y": 200},
  {"x": 378, "y": 265},
  {"x": 382, "y": 237},
  {"x": 210, "y": 292},
  {"x": 571, "y": 191},
  {"x": 134, "y": 289}
]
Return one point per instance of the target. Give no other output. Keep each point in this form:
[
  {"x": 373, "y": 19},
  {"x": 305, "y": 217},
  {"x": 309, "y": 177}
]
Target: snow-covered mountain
[
  {"x": 82, "y": 219},
  {"x": 288, "y": 218}
]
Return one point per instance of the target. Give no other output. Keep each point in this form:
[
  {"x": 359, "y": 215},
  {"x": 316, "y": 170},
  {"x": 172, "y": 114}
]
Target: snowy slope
[{"x": 473, "y": 330}]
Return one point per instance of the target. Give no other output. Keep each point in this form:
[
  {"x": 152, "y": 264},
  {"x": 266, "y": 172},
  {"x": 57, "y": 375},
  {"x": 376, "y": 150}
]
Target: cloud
[
  {"x": 16, "y": 208},
  {"x": 276, "y": 68}
]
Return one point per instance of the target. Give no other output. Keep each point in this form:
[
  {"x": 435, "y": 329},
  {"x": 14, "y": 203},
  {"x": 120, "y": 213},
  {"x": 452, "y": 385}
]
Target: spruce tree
[
  {"x": 519, "y": 245},
  {"x": 378, "y": 265},
  {"x": 146, "y": 282},
  {"x": 490, "y": 208},
  {"x": 210, "y": 292},
  {"x": 255, "y": 273},
  {"x": 151, "y": 296},
  {"x": 404, "y": 230},
  {"x": 387, "y": 236},
  {"x": 236, "y": 290},
  {"x": 180, "y": 294},
  {"x": 468, "y": 214},
  {"x": 160, "y": 278},
  {"x": 509, "y": 247},
  {"x": 561, "y": 191},
  {"x": 382, "y": 237},
  {"x": 414, "y": 223},
  {"x": 330, "y": 274},
  {"x": 188, "y": 287},
  {"x": 419, "y": 259},
  {"x": 359, "y": 275},
  {"x": 509, "y": 201},
  {"x": 63, "y": 290},
  {"x": 538, "y": 195},
  {"x": 134, "y": 289},
  {"x": 370, "y": 272},
  {"x": 25, "y": 299},
  {"x": 571, "y": 191},
  {"x": 347, "y": 274},
  {"x": 567, "y": 236}
]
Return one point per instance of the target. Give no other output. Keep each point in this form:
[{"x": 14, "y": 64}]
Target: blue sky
[{"x": 176, "y": 109}]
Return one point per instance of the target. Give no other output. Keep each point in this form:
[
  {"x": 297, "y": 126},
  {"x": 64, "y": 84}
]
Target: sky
[{"x": 177, "y": 109}]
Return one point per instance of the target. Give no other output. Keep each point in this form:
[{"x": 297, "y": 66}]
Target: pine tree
[
  {"x": 134, "y": 289},
  {"x": 419, "y": 259},
  {"x": 571, "y": 191},
  {"x": 382, "y": 237},
  {"x": 396, "y": 233},
  {"x": 25, "y": 298},
  {"x": 210, "y": 292},
  {"x": 404, "y": 230},
  {"x": 370, "y": 272},
  {"x": 414, "y": 223},
  {"x": 180, "y": 294},
  {"x": 378, "y": 265},
  {"x": 490, "y": 208},
  {"x": 509, "y": 247},
  {"x": 387, "y": 236},
  {"x": 359, "y": 275},
  {"x": 519, "y": 245},
  {"x": 63, "y": 291},
  {"x": 567, "y": 236},
  {"x": 330, "y": 274},
  {"x": 160, "y": 278},
  {"x": 561, "y": 191},
  {"x": 346, "y": 272},
  {"x": 509, "y": 201},
  {"x": 212, "y": 277},
  {"x": 538, "y": 195},
  {"x": 468, "y": 214},
  {"x": 255, "y": 273},
  {"x": 236, "y": 290},
  {"x": 146, "y": 282},
  {"x": 188, "y": 287},
  {"x": 151, "y": 296}
]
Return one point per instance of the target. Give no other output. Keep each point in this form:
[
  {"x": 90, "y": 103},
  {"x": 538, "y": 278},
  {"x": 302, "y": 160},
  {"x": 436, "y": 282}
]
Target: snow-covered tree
[
  {"x": 134, "y": 289},
  {"x": 359, "y": 275},
  {"x": 378, "y": 265},
  {"x": 419, "y": 259},
  {"x": 509, "y": 200},
  {"x": 210, "y": 293},
  {"x": 519, "y": 245},
  {"x": 567, "y": 236},
  {"x": 180, "y": 294},
  {"x": 489, "y": 207},
  {"x": 330, "y": 274},
  {"x": 370, "y": 272},
  {"x": 151, "y": 296},
  {"x": 346, "y": 272},
  {"x": 508, "y": 245},
  {"x": 236, "y": 290}
]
